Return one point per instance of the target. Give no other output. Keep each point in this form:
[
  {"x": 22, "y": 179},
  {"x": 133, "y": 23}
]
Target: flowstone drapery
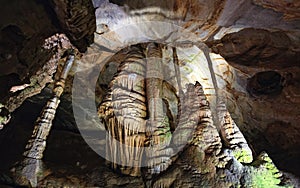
[
  {"x": 166, "y": 111},
  {"x": 171, "y": 137},
  {"x": 152, "y": 124}
]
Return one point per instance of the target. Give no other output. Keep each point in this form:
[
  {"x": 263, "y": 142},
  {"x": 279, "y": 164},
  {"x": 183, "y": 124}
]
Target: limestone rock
[
  {"x": 55, "y": 45},
  {"x": 77, "y": 19},
  {"x": 290, "y": 9},
  {"x": 271, "y": 43},
  {"x": 124, "y": 108},
  {"x": 257, "y": 47},
  {"x": 232, "y": 136}
]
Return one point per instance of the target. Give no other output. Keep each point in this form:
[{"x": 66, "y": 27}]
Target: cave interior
[{"x": 150, "y": 93}]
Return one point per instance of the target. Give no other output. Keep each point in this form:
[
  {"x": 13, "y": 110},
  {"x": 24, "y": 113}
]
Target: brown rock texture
[
  {"x": 258, "y": 48},
  {"x": 290, "y": 9},
  {"x": 196, "y": 153},
  {"x": 77, "y": 19},
  {"x": 24, "y": 27},
  {"x": 24, "y": 58},
  {"x": 254, "y": 52},
  {"x": 55, "y": 45}
]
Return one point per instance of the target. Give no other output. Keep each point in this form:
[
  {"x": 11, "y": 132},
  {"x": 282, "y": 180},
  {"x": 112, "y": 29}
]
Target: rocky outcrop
[
  {"x": 290, "y": 9},
  {"x": 24, "y": 27},
  {"x": 258, "y": 80},
  {"x": 77, "y": 20},
  {"x": 29, "y": 55},
  {"x": 57, "y": 45},
  {"x": 258, "y": 48}
]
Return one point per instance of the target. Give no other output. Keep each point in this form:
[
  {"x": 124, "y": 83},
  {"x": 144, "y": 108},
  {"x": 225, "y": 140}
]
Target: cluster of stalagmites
[
  {"x": 150, "y": 122},
  {"x": 156, "y": 126}
]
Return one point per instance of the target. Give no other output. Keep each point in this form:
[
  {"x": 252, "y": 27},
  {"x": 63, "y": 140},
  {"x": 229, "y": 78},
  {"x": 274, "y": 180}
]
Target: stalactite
[
  {"x": 177, "y": 71},
  {"x": 139, "y": 91},
  {"x": 123, "y": 111}
]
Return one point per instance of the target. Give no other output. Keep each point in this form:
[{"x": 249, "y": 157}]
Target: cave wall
[
  {"x": 26, "y": 25},
  {"x": 251, "y": 37}
]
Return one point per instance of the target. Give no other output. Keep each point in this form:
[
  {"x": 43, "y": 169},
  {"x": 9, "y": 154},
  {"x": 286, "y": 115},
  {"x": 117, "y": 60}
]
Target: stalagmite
[
  {"x": 196, "y": 125},
  {"x": 32, "y": 166},
  {"x": 232, "y": 135},
  {"x": 230, "y": 132}
]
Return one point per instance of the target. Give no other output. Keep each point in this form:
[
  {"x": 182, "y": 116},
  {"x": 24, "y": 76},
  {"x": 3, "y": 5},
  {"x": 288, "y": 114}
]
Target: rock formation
[
  {"x": 31, "y": 168},
  {"x": 124, "y": 109},
  {"x": 164, "y": 94}
]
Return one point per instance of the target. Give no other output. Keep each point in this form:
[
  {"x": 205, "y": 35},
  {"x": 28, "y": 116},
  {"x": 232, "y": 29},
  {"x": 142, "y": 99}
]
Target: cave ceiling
[{"x": 245, "y": 52}]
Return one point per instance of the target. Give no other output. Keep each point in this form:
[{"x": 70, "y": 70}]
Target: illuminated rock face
[
  {"x": 124, "y": 112},
  {"x": 183, "y": 143},
  {"x": 258, "y": 48},
  {"x": 150, "y": 121},
  {"x": 250, "y": 40},
  {"x": 290, "y": 9}
]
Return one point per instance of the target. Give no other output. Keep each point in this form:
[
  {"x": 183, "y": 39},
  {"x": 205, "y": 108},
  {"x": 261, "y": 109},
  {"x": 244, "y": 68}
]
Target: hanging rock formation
[
  {"x": 124, "y": 109},
  {"x": 192, "y": 150},
  {"x": 253, "y": 53}
]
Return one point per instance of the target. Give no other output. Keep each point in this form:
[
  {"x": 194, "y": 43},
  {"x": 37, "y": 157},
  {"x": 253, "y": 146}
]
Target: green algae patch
[
  {"x": 266, "y": 173},
  {"x": 243, "y": 155}
]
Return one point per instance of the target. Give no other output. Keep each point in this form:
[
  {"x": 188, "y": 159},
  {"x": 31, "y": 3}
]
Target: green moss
[
  {"x": 243, "y": 155},
  {"x": 266, "y": 174},
  {"x": 264, "y": 178},
  {"x": 168, "y": 135},
  {"x": 164, "y": 131},
  {"x": 269, "y": 165}
]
